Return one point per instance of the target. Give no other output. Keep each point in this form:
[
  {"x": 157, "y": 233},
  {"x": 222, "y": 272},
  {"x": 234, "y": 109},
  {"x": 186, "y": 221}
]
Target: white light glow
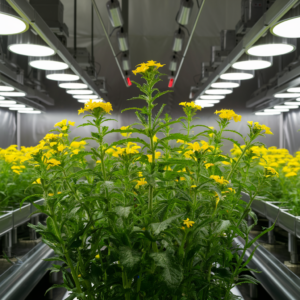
[
  {"x": 75, "y": 85},
  {"x": 12, "y": 105},
  {"x": 20, "y": 108},
  {"x": 292, "y": 103},
  {"x": 31, "y": 50},
  {"x": 29, "y": 111},
  {"x": 80, "y": 92},
  {"x": 287, "y": 95},
  {"x": 11, "y": 25},
  {"x": 294, "y": 90},
  {"x": 5, "y": 88},
  {"x": 207, "y": 105},
  {"x": 86, "y": 100},
  {"x": 2, "y": 98},
  {"x": 251, "y": 65},
  {"x": 271, "y": 110},
  {"x": 288, "y": 28},
  {"x": 212, "y": 97},
  {"x": 236, "y": 76},
  {"x": 13, "y": 94},
  {"x": 62, "y": 77},
  {"x": 89, "y": 97},
  {"x": 49, "y": 65},
  {"x": 8, "y": 102},
  {"x": 223, "y": 85},
  {"x": 199, "y": 102},
  {"x": 267, "y": 113},
  {"x": 281, "y": 108},
  {"x": 270, "y": 49},
  {"x": 218, "y": 91}
]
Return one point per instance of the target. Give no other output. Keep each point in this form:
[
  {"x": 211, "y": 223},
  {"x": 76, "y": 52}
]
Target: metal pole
[
  {"x": 18, "y": 130},
  {"x": 107, "y": 37},
  {"x": 271, "y": 236},
  {"x": 92, "y": 50},
  {"x": 75, "y": 28},
  {"x": 293, "y": 249},
  {"x": 189, "y": 41}
]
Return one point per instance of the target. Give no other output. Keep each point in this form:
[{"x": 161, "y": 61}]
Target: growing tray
[
  {"x": 21, "y": 215},
  {"x": 6, "y": 222}
]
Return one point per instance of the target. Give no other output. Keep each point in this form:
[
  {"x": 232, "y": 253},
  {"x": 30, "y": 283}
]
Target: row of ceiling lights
[
  {"x": 26, "y": 42},
  {"x": 257, "y": 57}
]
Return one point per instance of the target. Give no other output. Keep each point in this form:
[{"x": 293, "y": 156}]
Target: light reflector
[
  {"x": 222, "y": 84},
  {"x": 22, "y": 107},
  {"x": 72, "y": 85},
  {"x": 87, "y": 100},
  {"x": 294, "y": 90},
  {"x": 8, "y": 102},
  {"x": 247, "y": 62},
  {"x": 53, "y": 63},
  {"x": 287, "y": 95},
  {"x": 79, "y": 92},
  {"x": 218, "y": 91},
  {"x": 233, "y": 74},
  {"x": 5, "y": 88},
  {"x": 29, "y": 111},
  {"x": 85, "y": 97},
  {"x": 292, "y": 103},
  {"x": 260, "y": 113},
  {"x": 13, "y": 94},
  {"x": 212, "y": 97},
  {"x": 199, "y": 102}
]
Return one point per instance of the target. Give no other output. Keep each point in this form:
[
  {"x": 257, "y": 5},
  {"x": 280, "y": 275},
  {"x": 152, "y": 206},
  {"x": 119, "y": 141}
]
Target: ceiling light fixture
[
  {"x": 8, "y": 102},
  {"x": 12, "y": 105},
  {"x": 5, "y": 88},
  {"x": 247, "y": 62},
  {"x": 271, "y": 45},
  {"x": 65, "y": 75},
  {"x": 53, "y": 63},
  {"x": 114, "y": 13},
  {"x": 10, "y": 21},
  {"x": 212, "y": 97},
  {"x": 122, "y": 40},
  {"x": 89, "y": 97},
  {"x": 281, "y": 108},
  {"x": 260, "y": 113},
  {"x": 126, "y": 66},
  {"x": 21, "y": 108},
  {"x": 173, "y": 63},
  {"x": 285, "y": 106},
  {"x": 72, "y": 85},
  {"x": 290, "y": 26},
  {"x": 184, "y": 12},
  {"x": 29, "y": 44},
  {"x": 86, "y": 100},
  {"x": 221, "y": 84},
  {"x": 29, "y": 111},
  {"x": 178, "y": 40},
  {"x": 207, "y": 105},
  {"x": 80, "y": 92},
  {"x": 13, "y": 94},
  {"x": 233, "y": 74},
  {"x": 218, "y": 91},
  {"x": 291, "y": 103},
  {"x": 199, "y": 102},
  {"x": 294, "y": 90},
  {"x": 287, "y": 95}
]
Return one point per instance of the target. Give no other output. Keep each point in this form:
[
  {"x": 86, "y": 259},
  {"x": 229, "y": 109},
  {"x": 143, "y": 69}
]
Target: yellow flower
[
  {"x": 181, "y": 141},
  {"x": 140, "y": 182},
  {"x": 270, "y": 172},
  {"x": 126, "y": 134},
  {"x": 194, "y": 146},
  {"x": 155, "y": 139},
  {"x": 90, "y": 106},
  {"x": 232, "y": 190},
  {"x": 64, "y": 128},
  {"x": 291, "y": 174},
  {"x": 183, "y": 228},
  {"x": 61, "y": 148},
  {"x": 61, "y": 123},
  {"x": 157, "y": 155},
  {"x": 225, "y": 162},
  {"x": 97, "y": 256},
  {"x": 79, "y": 275},
  {"x": 98, "y": 162},
  {"x": 53, "y": 162},
  {"x": 217, "y": 199},
  {"x": 141, "y": 69},
  {"x": 228, "y": 114},
  {"x": 188, "y": 223},
  {"x": 53, "y": 144},
  {"x": 50, "y": 194},
  {"x": 191, "y": 105},
  {"x": 260, "y": 127},
  {"x": 38, "y": 181},
  {"x": 71, "y": 123},
  {"x": 208, "y": 165},
  {"x": 193, "y": 186},
  {"x": 219, "y": 179},
  {"x": 17, "y": 172},
  {"x": 78, "y": 145}
]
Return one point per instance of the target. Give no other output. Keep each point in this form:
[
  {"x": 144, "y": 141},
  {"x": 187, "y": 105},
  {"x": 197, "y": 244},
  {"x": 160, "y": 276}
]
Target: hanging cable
[{"x": 75, "y": 29}]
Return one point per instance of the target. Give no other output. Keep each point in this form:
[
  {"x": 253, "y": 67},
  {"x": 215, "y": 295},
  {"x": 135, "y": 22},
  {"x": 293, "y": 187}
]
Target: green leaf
[
  {"x": 131, "y": 108},
  {"x": 172, "y": 273},
  {"x": 129, "y": 258},
  {"x": 261, "y": 234},
  {"x": 123, "y": 211},
  {"x": 221, "y": 226},
  {"x": 250, "y": 257},
  {"x": 222, "y": 273},
  {"x": 159, "y": 227}
]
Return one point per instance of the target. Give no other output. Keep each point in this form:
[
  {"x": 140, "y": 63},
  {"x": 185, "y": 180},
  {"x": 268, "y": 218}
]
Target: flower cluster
[
  {"x": 228, "y": 114},
  {"x": 91, "y": 105},
  {"x": 143, "y": 67},
  {"x": 259, "y": 127}
]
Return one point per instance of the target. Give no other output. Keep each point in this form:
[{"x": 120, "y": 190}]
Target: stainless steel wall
[{"x": 8, "y": 128}]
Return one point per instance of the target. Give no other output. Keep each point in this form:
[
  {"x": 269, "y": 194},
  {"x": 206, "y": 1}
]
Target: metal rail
[
  {"x": 275, "y": 277},
  {"x": 28, "y": 13},
  {"x": 276, "y": 11},
  {"x": 189, "y": 41},
  {"x": 107, "y": 37},
  {"x": 20, "y": 279}
]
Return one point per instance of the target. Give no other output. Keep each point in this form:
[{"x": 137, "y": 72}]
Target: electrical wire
[{"x": 113, "y": 31}]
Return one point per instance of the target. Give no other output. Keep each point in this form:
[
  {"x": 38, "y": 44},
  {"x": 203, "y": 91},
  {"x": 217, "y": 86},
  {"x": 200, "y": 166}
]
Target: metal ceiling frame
[
  {"x": 28, "y": 13},
  {"x": 270, "y": 17}
]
